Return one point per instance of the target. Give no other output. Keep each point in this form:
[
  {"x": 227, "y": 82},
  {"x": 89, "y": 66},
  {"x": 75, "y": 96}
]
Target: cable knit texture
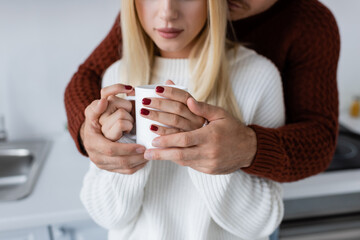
[
  {"x": 302, "y": 39},
  {"x": 167, "y": 201}
]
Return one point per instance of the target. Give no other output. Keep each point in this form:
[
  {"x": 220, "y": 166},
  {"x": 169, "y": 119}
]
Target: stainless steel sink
[{"x": 20, "y": 166}]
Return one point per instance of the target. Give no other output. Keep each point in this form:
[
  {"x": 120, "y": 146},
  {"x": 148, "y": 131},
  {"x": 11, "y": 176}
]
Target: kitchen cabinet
[
  {"x": 86, "y": 230},
  {"x": 40, "y": 233},
  {"x": 326, "y": 206}
]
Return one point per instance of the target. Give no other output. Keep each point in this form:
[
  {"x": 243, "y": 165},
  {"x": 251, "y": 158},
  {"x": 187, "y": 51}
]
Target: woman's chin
[{"x": 171, "y": 52}]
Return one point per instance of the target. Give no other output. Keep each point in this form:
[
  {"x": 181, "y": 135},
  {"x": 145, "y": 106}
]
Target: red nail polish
[
  {"x": 160, "y": 89},
  {"x": 128, "y": 87},
  {"x": 144, "y": 111},
  {"x": 146, "y": 101},
  {"x": 154, "y": 128}
]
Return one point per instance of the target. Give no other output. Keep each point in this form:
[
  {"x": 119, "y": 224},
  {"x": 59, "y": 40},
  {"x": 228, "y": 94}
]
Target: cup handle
[{"x": 130, "y": 98}]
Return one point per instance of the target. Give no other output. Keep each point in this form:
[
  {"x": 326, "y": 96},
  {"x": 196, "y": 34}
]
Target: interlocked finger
[
  {"x": 115, "y": 131},
  {"x": 116, "y": 89},
  {"x": 175, "y": 107},
  {"x": 130, "y": 170},
  {"x": 120, "y": 162},
  {"x": 182, "y": 156},
  {"x": 162, "y": 131},
  {"x": 112, "y": 118},
  {"x": 173, "y": 93},
  {"x": 108, "y": 149},
  {"x": 168, "y": 119},
  {"x": 116, "y": 102}
]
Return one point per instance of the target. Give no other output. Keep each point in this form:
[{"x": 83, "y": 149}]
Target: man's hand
[
  {"x": 223, "y": 146},
  {"x": 104, "y": 153}
]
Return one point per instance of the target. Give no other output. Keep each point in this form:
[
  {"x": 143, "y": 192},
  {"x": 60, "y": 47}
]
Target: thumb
[
  {"x": 169, "y": 82},
  {"x": 132, "y": 93},
  {"x": 96, "y": 109},
  {"x": 207, "y": 111}
]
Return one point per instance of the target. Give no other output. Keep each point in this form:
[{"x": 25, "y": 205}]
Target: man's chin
[{"x": 238, "y": 10}]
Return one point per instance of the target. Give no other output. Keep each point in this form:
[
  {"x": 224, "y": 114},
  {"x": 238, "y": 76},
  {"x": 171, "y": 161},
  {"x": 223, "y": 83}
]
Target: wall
[
  {"x": 348, "y": 18},
  {"x": 42, "y": 42}
]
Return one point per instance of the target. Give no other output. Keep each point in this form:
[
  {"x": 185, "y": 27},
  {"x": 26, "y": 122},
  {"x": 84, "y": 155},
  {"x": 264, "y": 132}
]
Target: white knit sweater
[{"x": 165, "y": 201}]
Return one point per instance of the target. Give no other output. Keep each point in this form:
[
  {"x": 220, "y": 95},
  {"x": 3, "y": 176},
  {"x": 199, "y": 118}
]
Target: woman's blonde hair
[{"x": 208, "y": 62}]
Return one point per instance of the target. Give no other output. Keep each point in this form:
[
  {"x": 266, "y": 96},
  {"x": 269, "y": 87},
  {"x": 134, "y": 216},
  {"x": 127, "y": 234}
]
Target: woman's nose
[{"x": 169, "y": 10}]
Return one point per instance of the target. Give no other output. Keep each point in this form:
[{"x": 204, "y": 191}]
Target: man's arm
[
  {"x": 305, "y": 145},
  {"x": 301, "y": 148},
  {"x": 85, "y": 85}
]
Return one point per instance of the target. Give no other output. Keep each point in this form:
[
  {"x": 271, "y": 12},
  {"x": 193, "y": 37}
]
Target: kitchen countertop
[
  {"x": 55, "y": 198},
  {"x": 324, "y": 184}
]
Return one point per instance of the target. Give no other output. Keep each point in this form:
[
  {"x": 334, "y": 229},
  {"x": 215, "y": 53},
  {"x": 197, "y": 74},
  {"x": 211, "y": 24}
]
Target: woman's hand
[
  {"x": 225, "y": 145},
  {"x": 117, "y": 118},
  {"x": 106, "y": 154},
  {"x": 119, "y": 115},
  {"x": 173, "y": 111}
]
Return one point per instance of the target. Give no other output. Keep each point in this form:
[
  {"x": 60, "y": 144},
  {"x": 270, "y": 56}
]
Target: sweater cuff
[
  {"x": 74, "y": 129},
  {"x": 269, "y": 154}
]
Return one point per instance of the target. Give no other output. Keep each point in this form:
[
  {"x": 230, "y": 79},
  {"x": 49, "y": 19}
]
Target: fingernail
[
  {"x": 140, "y": 150},
  {"x": 156, "y": 142},
  {"x": 148, "y": 155},
  {"x": 128, "y": 87},
  {"x": 146, "y": 101},
  {"x": 154, "y": 128},
  {"x": 144, "y": 111},
  {"x": 160, "y": 89}
]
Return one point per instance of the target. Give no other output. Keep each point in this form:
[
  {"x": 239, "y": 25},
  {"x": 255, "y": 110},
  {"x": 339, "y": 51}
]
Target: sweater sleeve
[
  {"x": 306, "y": 144},
  {"x": 85, "y": 85},
  {"x": 114, "y": 200},
  {"x": 244, "y": 205}
]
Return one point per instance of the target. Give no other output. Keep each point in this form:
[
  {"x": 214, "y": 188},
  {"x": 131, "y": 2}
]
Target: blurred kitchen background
[{"x": 42, "y": 42}]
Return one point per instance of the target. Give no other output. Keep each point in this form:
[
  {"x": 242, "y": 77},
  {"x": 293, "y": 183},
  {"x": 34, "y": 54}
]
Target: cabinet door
[
  {"x": 87, "y": 230},
  {"x": 26, "y": 234}
]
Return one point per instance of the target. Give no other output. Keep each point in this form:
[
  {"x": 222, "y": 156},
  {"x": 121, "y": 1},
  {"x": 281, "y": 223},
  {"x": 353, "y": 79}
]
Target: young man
[{"x": 302, "y": 39}]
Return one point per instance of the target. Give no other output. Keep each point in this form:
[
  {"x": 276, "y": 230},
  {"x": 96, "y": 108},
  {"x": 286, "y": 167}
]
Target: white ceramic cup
[{"x": 144, "y": 135}]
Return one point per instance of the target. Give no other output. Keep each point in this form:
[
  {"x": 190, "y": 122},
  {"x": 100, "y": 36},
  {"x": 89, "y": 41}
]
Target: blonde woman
[{"x": 184, "y": 41}]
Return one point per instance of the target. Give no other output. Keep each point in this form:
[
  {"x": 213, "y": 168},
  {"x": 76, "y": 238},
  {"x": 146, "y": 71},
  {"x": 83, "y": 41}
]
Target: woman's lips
[{"x": 169, "y": 33}]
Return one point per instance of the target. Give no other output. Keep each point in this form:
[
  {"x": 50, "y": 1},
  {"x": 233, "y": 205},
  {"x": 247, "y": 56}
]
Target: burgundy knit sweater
[{"x": 302, "y": 39}]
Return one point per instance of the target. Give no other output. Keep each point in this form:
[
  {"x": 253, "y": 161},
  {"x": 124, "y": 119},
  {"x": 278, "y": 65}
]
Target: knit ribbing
[
  {"x": 167, "y": 201},
  {"x": 176, "y": 70},
  {"x": 302, "y": 39}
]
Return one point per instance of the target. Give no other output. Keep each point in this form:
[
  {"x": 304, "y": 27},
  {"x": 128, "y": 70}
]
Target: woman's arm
[
  {"x": 248, "y": 206},
  {"x": 85, "y": 85},
  {"x": 111, "y": 194},
  {"x": 114, "y": 200}
]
